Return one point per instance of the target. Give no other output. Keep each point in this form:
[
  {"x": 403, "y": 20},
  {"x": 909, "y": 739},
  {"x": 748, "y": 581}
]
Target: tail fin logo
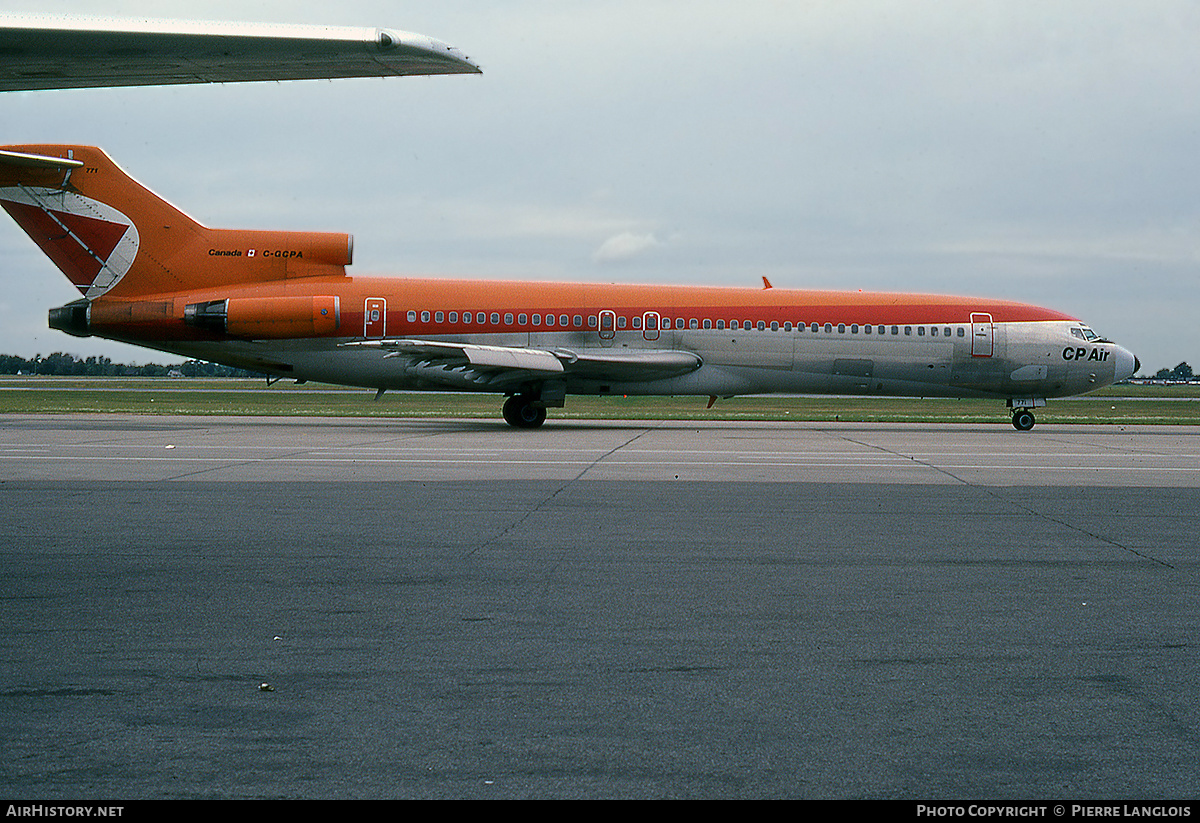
[{"x": 91, "y": 242}]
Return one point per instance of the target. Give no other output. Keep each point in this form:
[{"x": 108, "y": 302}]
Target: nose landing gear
[
  {"x": 1022, "y": 411},
  {"x": 1023, "y": 420}
]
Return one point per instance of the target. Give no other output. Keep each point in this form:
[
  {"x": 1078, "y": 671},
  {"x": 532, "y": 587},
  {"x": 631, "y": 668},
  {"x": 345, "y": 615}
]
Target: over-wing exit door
[{"x": 608, "y": 327}]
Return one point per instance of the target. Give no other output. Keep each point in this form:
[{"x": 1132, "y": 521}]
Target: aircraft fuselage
[{"x": 748, "y": 341}]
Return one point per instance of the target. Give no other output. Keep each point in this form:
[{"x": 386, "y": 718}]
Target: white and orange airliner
[{"x": 281, "y": 303}]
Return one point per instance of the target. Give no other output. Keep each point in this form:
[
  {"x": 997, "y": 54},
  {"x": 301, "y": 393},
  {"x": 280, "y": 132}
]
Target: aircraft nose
[{"x": 1125, "y": 365}]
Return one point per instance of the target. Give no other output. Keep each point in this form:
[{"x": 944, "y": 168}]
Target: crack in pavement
[{"x": 988, "y": 491}]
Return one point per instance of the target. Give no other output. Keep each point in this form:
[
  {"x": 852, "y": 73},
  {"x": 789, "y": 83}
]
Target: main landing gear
[
  {"x": 1023, "y": 420},
  {"x": 523, "y": 412}
]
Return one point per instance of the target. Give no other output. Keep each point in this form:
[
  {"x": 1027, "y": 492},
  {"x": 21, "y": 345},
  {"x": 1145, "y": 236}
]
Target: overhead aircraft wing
[
  {"x": 462, "y": 363},
  {"x": 59, "y": 52}
]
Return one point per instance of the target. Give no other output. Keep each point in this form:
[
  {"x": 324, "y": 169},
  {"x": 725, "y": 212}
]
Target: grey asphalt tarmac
[{"x": 455, "y": 609}]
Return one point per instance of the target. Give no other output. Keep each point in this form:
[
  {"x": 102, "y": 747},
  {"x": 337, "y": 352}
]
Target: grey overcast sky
[{"x": 1040, "y": 151}]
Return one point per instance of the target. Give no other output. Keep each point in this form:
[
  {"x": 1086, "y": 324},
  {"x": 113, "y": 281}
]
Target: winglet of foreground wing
[{"x": 56, "y": 52}]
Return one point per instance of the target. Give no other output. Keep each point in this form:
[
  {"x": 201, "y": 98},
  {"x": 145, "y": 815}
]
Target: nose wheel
[{"x": 1023, "y": 420}]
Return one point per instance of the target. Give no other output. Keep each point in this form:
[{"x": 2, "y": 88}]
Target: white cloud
[{"x": 625, "y": 246}]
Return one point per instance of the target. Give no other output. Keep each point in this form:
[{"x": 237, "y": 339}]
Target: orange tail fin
[{"x": 110, "y": 235}]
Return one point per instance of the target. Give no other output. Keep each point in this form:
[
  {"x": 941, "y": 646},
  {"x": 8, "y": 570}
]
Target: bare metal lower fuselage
[{"x": 1026, "y": 360}]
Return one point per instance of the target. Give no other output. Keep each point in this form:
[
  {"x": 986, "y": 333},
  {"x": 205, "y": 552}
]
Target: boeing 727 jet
[{"x": 281, "y": 303}]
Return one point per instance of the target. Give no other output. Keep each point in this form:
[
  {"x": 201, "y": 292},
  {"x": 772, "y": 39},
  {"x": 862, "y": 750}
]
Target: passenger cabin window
[
  {"x": 563, "y": 320},
  {"x": 508, "y": 319},
  {"x": 453, "y": 317},
  {"x": 522, "y": 319},
  {"x": 412, "y": 317}
]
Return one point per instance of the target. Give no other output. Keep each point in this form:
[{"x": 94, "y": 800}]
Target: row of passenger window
[
  {"x": 654, "y": 322},
  {"x": 483, "y": 318}
]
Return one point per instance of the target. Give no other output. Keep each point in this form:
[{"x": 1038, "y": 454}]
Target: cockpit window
[
  {"x": 1077, "y": 333},
  {"x": 1084, "y": 333}
]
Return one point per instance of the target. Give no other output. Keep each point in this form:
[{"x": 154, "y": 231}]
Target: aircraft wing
[
  {"x": 58, "y": 52},
  {"x": 470, "y": 363}
]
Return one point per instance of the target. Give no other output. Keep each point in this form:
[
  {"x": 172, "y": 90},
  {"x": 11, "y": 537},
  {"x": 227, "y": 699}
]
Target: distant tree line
[
  {"x": 1181, "y": 372},
  {"x": 68, "y": 365}
]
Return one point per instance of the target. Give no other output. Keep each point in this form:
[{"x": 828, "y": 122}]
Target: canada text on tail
[{"x": 113, "y": 237}]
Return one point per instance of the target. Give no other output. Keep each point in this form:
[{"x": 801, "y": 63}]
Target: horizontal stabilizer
[{"x": 20, "y": 160}]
